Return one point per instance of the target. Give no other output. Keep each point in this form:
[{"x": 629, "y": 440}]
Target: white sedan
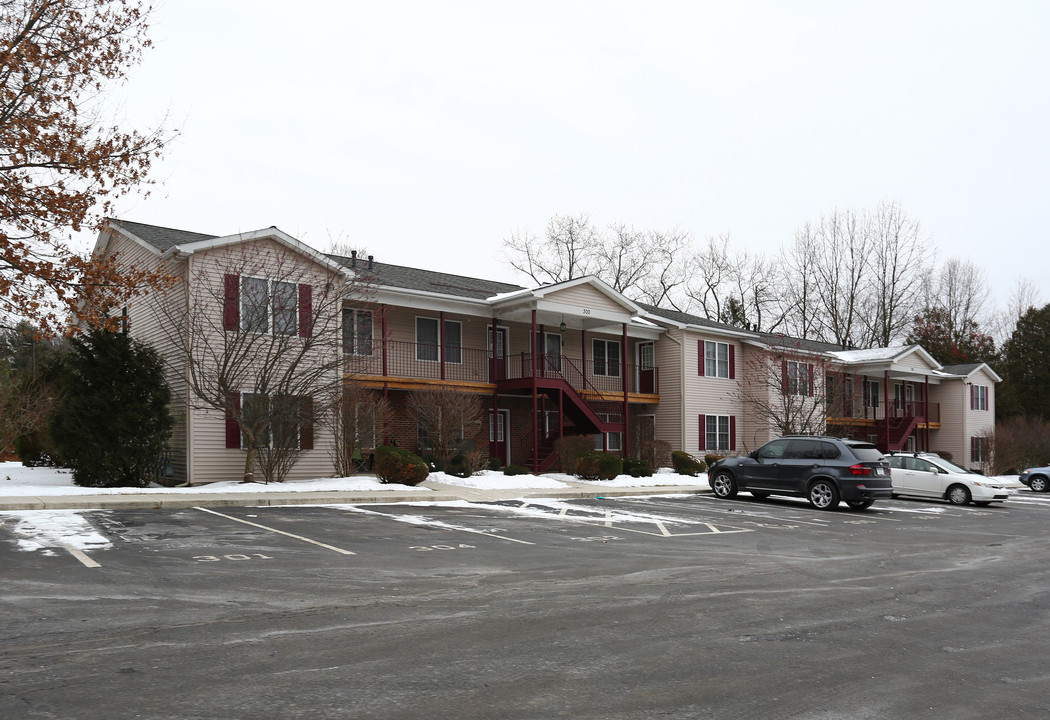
[{"x": 925, "y": 475}]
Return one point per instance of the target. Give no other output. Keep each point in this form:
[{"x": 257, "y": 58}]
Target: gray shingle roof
[
  {"x": 963, "y": 369},
  {"x": 399, "y": 276},
  {"x": 161, "y": 238},
  {"x": 686, "y": 318}
]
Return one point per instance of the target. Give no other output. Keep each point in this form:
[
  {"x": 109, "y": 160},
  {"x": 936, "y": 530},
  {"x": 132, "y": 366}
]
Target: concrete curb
[{"x": 441, "y": 493}]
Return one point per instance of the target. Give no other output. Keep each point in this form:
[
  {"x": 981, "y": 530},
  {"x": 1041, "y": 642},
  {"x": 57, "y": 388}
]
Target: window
[
  {"x": 978, "y": 397},
  {"x": 871, "y": 394},
  {"x": 280, "y": 421},
  {"x": 798, "y": 378},
  {"x": 428, "y": 340},
  {"x": 258, "y": 305},
  {"x": 606, "y": 357},
  {"x": 255, "y": 303},
  {"x": 716, "y": 359},
  {"x": 977, "y": 450},
  {"x": 718, "y": 433},
  {"x": 552, "y": 352},
  {"x": 611, "y": 441},
  {"x": 357, "y": 332}
]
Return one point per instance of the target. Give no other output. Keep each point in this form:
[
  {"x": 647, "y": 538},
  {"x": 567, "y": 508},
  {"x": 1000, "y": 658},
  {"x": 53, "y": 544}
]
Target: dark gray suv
[{"x": 822, "y": 469}]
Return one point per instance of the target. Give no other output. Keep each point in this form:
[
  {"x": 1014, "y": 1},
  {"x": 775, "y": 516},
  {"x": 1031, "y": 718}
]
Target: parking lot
[{"x": 673, "y": 606}]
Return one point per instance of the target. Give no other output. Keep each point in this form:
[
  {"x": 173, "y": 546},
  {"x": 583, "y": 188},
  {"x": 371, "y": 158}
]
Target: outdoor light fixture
[{"x": 562, "y": 326}]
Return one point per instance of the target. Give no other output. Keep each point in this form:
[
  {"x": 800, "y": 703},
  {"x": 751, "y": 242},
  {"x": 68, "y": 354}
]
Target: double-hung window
[
  {"x": 611, "y": 441},
  {"x": 428, "y": 340},
  {"x": 716, "y": 432},
  {"x": 716, "y": 359},
  {"x": 269, "y": 421},
  {"x": 357, "y": 331},
  {"x": 264, "y": 306},
  {"x": 798, "y": 378},
  {"x": 978, "y": 397},
  {"x": 606, "y": 357}
]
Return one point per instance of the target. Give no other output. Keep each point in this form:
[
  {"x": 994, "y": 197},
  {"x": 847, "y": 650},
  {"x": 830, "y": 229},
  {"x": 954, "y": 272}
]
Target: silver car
[{"x": 926, "y": 475}]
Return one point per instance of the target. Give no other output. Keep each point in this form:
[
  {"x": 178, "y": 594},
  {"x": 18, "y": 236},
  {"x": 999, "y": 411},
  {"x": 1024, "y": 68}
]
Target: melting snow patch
[{"x": 47, "y": 529}]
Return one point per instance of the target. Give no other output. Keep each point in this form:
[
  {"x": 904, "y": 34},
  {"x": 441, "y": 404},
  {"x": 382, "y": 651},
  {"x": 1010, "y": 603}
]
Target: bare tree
[
  {"x": 961, "y": 288},
  {"x": 711, "y": 285},
  {"x": 784, "y": 388},
  {"x": 449, "y": 418},
  {"x": 799, "y": 298},
  {"x": 356, "y": 418},
  {"x": 899, "y": 261},
  {"x": 1023, "y": 297},
  {"x": 256, "y": 336},
  {"x": 567, "y": 251}
]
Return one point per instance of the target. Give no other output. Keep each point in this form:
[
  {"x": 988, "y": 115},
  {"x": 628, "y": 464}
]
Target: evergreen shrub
[
  {"x": 685, "y": 464},
  {"x": 597, "y": 465},
  {"x": 459, "y": 466},
  {"x": 394, "y": 465},
  {"x": 516, "y": 470},
  {"x": 637, "y": 468}
]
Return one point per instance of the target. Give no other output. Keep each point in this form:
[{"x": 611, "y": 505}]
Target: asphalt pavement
[{"x": 182, "y": 497}]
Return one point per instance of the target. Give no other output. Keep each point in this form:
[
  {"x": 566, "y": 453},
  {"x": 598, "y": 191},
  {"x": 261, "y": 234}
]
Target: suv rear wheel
[
  {"x": 823, "y": 495},
  {"x": 724, "y": 485},
  {"x": 1037, "y": 484}
]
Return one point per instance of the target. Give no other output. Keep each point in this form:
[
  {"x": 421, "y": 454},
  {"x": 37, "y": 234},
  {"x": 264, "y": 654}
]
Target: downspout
[
  {"x": 186, "y": 374},
  {"x": 382, "y": 326},
  {"x": 626, "y": 405}
]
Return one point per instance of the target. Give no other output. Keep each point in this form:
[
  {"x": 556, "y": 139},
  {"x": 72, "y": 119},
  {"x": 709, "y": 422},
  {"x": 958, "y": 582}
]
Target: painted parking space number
[
  {"x": 233, "y": 556},
  {"x": 426, "y": 548}
]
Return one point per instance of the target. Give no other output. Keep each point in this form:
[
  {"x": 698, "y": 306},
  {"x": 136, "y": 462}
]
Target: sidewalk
[{"x": 434, "y": 492}]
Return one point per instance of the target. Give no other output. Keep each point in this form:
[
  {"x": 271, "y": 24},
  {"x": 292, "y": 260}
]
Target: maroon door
[
  {"x": 498, "y": 446},
  {"x": 646, "y": 368},
  {"x": 498, "y": 355}
]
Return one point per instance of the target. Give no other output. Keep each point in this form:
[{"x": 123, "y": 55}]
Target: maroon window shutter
[
  {"x": 973, "y": 448},
  {"x": 784, "y": 376},
  {"x": 809, "y": 369},
  {"x": 231, "y": 309},
  {"x": 732, "y": 362},
  {"x": 306, "y": 310},
  {"x": 972, "y": 404},
  {"x": 306, "y": 424},
  {"x": 233, "y": 428},
  {"x": 732, "y": 432},
  {"x": 703, "y": 432},
  {"x": 700, "y": 355}
]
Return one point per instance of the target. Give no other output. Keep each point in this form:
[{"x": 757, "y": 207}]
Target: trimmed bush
[
  {"x": 597, "y": 465},
  {"x": 459, "y": 466},
  {"x": 394, "y": 465},
  {"x": 495, "y": 464},
  {"x": 516, "y": 470},
  {"x": 685, "y": 464},
  {"x": 711, "y": 459},
  {"x": 637, "y": 468}
]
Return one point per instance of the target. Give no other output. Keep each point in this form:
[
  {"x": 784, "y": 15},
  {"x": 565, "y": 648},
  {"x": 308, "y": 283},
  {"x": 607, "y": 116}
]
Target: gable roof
[
  {"x": 159, "y": 238},
  {"x": 683, "y": 319},
  {"x": 967, "y": 369}
]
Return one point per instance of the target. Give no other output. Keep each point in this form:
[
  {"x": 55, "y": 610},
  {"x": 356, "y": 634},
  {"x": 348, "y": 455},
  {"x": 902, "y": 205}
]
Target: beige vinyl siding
[
  {"x": 144, "y": 326},
  {"x": 585, "y": 296},
  {"x": 668, "y": 351},
  {"x": 709, "y": 395},
  {"x": 954, "y": 398},
  {"x": 210, "y": 460}
]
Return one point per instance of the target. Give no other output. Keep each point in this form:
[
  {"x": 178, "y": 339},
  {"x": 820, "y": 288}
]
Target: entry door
[
  {"x": 498, "y": 445},
  {"x": 497, "y": 354},
  {"x": 646, "y": 368}
]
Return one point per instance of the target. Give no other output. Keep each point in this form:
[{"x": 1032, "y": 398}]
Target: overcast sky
[{"x": 430, "y": 131}]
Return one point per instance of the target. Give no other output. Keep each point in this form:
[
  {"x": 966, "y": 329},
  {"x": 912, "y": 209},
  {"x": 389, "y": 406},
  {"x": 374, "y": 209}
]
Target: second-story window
[
  {"x": 798, "y": 378},
  {"x": 428, "y": 340},
  {"x": 716, "y": 359},
  {"x": 978, "y": 397},
  {"x": 357, "y": 331},
  {"x": 260, "y": 305},
  {"x": 606, "y": 357}
]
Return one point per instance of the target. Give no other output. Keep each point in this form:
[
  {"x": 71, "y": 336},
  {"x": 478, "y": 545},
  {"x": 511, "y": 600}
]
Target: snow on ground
[{"x": 47, "y": 529}]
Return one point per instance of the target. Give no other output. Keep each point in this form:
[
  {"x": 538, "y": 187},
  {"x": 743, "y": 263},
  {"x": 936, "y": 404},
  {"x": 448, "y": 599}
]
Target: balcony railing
[
  {"x": 396, "y": 359},
  {"x": 895, "y": 409}
]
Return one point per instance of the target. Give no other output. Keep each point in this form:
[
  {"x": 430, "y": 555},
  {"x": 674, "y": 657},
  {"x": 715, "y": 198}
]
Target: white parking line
[
  {"x": 81, "y": 556},
  {"x": 279, "y": 532},
  {"x": 421, "y": 520}
]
